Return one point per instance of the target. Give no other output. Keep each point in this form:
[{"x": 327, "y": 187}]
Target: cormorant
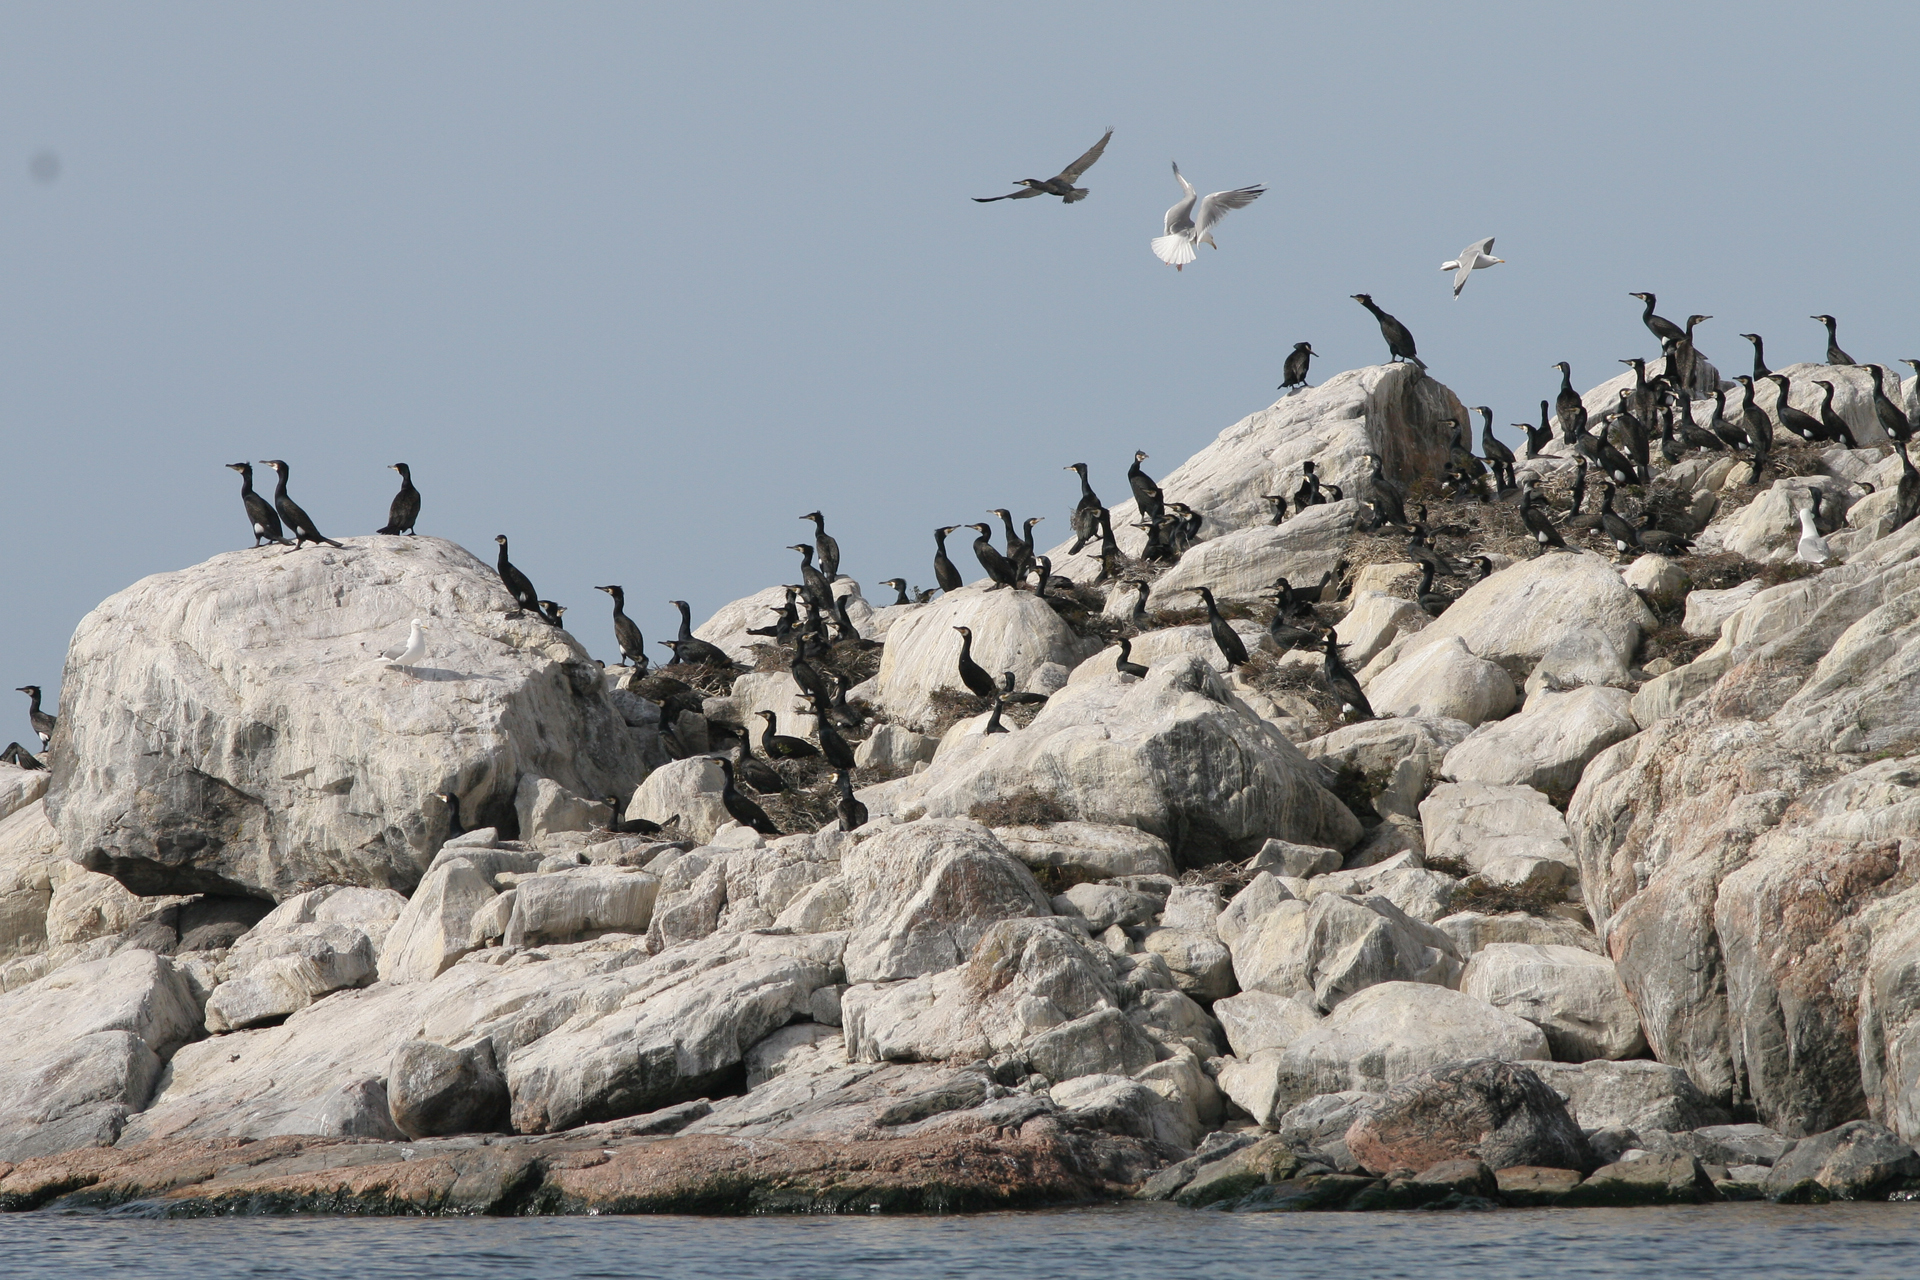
[
  {"x": 260, "y": 512},
  {"x": 1670, "y": 449},
  {"x": 786, "y": 617},
  {"x": 20, "y": 758},
  {"x": 1906, "y": 503},
  {"x": 805, "y": 674},
  {"x": 899, "y": 586},
  {"x": 993, "y": 721},
  {"x": 1060, "y": 184},
  {"x": 1572, "y": 412},
  {"x": 1892, "y": 420},
  {"x": 1043, "y": 570},
  {"x": 1086, "y": 513},
  {"x": 1718, "y": 424},
  {"x": 1802, "y": 424},
  {"x": 1308, "y": 494},
  {"x": 1138, "y": 614},
  {"x": 618, "y": 825},
  {"x": 452, "y": 801},
  {"x": 406, "y": 504},
  {"x": 1019, "y": 553},
  {"x": 1486, "y": 568},
  {"x": 1429, "y": 600},
  {"x": 692, "y": 650},
  {"x": 1124, "y": 663},
  {"x": 754, "y": 771},
  {"x": 1835, "y": 424},
  {"x": 1146, "y": 494},
  {"x": 290, "y": 512},
  {"x": 1399, "y": 339},
  {"x": 551, "y": 611},
  {"x": 1279, "y": 504},
  {"x": 1158, "y": 548},
  {"x": 1757, "y": 425},
  {"x": 818, "y": 587},
  {"x": 852, "y": 814},
  {"x": 1295, "y": 369},
  {"x": 1834, "y": 354},
  {"x": 1639, "y": 441},
  {"x": 781, "y": 746},
  {"x": 828, "y": 549},
  {"x": 1473, "y": 258},
  {"x": 1109, "y": 549},
  {"x": 743, "y": 810},
  {"x": 1384, "y": 495},
  {"x": 998, "y": 567},
  {"x": 1623, "y": 535},
  {"x": 1343, "y": 682},
  {"x": 1662, "y": 328},
  {"x": 945, "y": 576},
  {"x": 1541, "y": 436},
  {"x": 832, "y": 746},
  {"x": 1012, "y": 697},
  {"x": 1232, "y": 648},
  {"x": 517, "y": 583},
  {"x": 42, "y": 722},
  {"x": 1536, "y": 520},
  {"x": 972, "y": 674},
  {"x": 1187, "y": 228},
  {"x": 1760, "y": 369},
  {"x": 1661, "y": 541},
  {"x": 1494, "y": 451},
  {"x": 1693, "y": 434}
]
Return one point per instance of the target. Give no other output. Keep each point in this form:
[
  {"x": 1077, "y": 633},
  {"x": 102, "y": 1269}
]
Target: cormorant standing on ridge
[
  {"x": 1146, "y": 494},
  {"x": 1430, "y": 601},
  {"x": 1086, "y": 513},
  {"x": 899, "y": 586},
  {"x": 633, "y": 645},
  {"x": 1623, "y": 535},
  {"x": 832, "y": 746},
  {"x": 1907, "y": 497},
  {"x": 1757, "y": 425},
  {"x": 1019, "y": 553},
  {"x": 781, "y": 746},
  {"x": 1834, "y": 423},
  {"x": 1342, "y": 681},
  {"x": 1308, "y": 494},
  {"x": 260, "y": 512},
  {"x": 1541, "y": 436},
  {"x": 1892, "y": 420},
  {"x": 1760, "y": 369},
  {"x": 817, "y": 586},
  {"x": 743, "y": 810},
  {"x": 1834, "y": 354},
  {"x": 1536, "y": 520},
  {"x": 296, "y": 519},
  {"x": 823, "y": 542},
  {"x": 1399, "y": 338},
  {"x": 972, "y": 674},
  {"x": 1295, "y": 370},
  {"x": 1568, "y": 405},
  {"x": 1015, "y": 698},
  {"x": 1494, "y": 451},
  {"x": 945, "y": 576},
  {"x": 42, "y": 723},
  {"x": 1109, "y": 549},
  {"x": 619, "y": 825},
  {"x": 998, "y": 567},
  {"x": 1232, "y": 648},
  {"x": 692, "y": 650},
  {"x": 1801, "y": 423},
  {"x": 518, "y": 585},
  {"x": 406, "y": 504},
  {"x": 1662, "y": 328},
  {"x": 853, "y": 814},
  {"x": 551, "y": 611}
]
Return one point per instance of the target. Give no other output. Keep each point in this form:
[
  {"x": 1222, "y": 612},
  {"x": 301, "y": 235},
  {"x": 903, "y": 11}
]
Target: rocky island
[{"x": 1608, "y": 894}]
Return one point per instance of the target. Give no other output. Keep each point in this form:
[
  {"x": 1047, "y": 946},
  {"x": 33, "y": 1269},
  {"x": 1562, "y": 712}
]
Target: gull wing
[
  {"x": 1219, "y": 203},
  {"x": 1072, "y": 172},
  {"x": 1179, "y": 218},
  {"x": 1469, "y": 259}
]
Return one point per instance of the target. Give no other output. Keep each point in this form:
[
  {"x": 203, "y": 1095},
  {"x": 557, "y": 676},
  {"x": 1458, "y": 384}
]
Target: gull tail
[{"x": 1174, "y": 250}]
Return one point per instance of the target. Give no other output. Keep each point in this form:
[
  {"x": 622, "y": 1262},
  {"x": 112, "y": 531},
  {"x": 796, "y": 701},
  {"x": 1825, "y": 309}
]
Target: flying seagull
[
  {"x": 409, "y": 653},
  {"x": 1475, "y": 256},
  {"x": 1061, "y": 184},
  {"x": 1188, "y": 228}
]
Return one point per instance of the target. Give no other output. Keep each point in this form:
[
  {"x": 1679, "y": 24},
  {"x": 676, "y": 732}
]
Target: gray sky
[{"x": 637, "y": 285}]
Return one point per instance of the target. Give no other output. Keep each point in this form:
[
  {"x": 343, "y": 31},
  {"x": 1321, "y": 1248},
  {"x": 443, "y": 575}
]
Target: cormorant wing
[
  {"x": 1072, "y": 172},
  {"x": 1022, "y": 194},
  {"x": 1220, "y": 203},
  {"x": 1178, "y": 217}
]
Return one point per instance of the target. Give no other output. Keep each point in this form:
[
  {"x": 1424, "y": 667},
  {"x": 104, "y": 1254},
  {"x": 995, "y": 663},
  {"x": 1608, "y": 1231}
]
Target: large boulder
[
  {"x": 1570, "y": 993},
  {"x": 1337, "y": 946},
  {"x": 1398, "y": 758},
  {"x": 1476, "y": 822},
  {"x": 20, "y": 788},
  {"x": 1444, "y": 680},
  {"x": 1637, "y": 1095},
  {"x": 1548, "y": 744},
  {"x": 293, "y": 756},
  {"x": 1485, "y": 1109},
  {"x": 275, "y": 973},
  {"x": 29, "y": 863},
  {"x": 1012, "y": 631},
  {"x": 1242, "y": 565},
  {"x": 1174, "y": 754},
  {"x": 435, "y": 928},
  {"x": 1096, "y": 849},
  {"x": 1858, "y": 1160}
]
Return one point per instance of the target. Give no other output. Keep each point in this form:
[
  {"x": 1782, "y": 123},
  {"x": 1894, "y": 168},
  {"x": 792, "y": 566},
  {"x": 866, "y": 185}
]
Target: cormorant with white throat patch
[
  {"x": 260, "y": 512},
  {"x": 290, "y": 512},
  {"x": 406, "y": 504}
]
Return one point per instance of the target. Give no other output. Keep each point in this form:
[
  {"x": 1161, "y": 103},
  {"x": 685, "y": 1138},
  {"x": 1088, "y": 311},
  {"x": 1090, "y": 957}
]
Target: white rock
[
  {"x": 1104, "y": 905},
  {"x": 689, "y": 789},
  {"x": 1658, "y": 579},
  {"x": 90, "y": 906},
  {"x": 773, "y": 691},
  {"x": 581, "y": 902},
  {"x": 20, "y": 788},
  {"x": 1012, "y": 631},
  {"x": 1373, "y": 622},
  {"x": 1471, "y": 822},
  {"x": 1399, "y": 757},
  {"x": 1577, "y": 659},
  {"x": 1300, "y": 861},
  {"x": 1546, "y": 746},
  {"x": 1097, "y": 849},
  {"x": 1707, "y": 611},
  {"x": 1443, "y": 680},
  {"x": 803, "y": 1046},
  {"x": 29, "y": 861},
  {"x": 1421, "y": 894},
  {"x": 1243, "y": 564},
  {"x": 1638, "y": 1095},
  {"x": 1115, "y": 1103},
  {"x": 372, "y": 911},
  {"x": 434, "y": 929},
  {"x": 894, "y": 748},
  {"x": 1259, "y": 1020},
  {"x": 545, "y": 808},
  {"x": 287, "y": 969},
  {"x": 1571, "y": 994},
  {"x": 1335, "y": 947},
  {"x": 1472, "y": 930},
  {"x": 1201, "y": 966}
]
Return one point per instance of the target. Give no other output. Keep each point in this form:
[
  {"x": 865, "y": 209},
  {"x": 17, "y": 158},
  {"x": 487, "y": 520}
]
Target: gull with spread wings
[
  {"x": 1473, "y": 258},
  {"x": 1060, "y": 184},
  {"x": 1189, "y": 227}
]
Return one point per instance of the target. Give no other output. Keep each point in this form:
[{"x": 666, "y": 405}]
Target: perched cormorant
[
  {"x": 1671, "y": 450},
  {"x": 1834, "y": 354},
  {"x": 781, "y": 746},
  {"x": 1760, "y": 369},
  {"x": 998, "y": 567},
  {"x": 42, "y": 722},
  {"x": 1013, "y": 697},
  {"x": 1188, "y": 227},
  {"x": 260, "y": 512},
  {"x": 823, "y": 541},
  {"x": 1802, "y": 424},
  {"x": 452, "y": 801},
  {"x": 1429, "y": 600},
  {"x": 290, "y": 512},
  {"x": 1568, "y": 405},
  {"x": 945, "y": 576},
  {"x": 1906, "y": 503},
  {"x": 1384, "y": 495},
  {"x": 1279, "y": 503},
  {"x": 1060, "y": 184},
  {"x": 1757, "y": 425},
  {"x": 1659, "y": 326},
  {"x": 551, "y": 611},
  {"x": 833, "y": 747},
  {"x": 517, "y": 584},
  {"x": 1109, "y": 549},
  {"x": 1043, "y": 570},
  {"x": 1623, "y": 535},
  {"x": 1138, "y": 614},
  {"x": 899, "y": 586},
  {"x": 1661, "y": 541},
  {"x": 1399, "y": 339},
  {"x": 1692, "y": 434},
  {"x": 743, "y": 810},
  {"x": 1836, "y": 425},
  {"x": 1308, "y": 494},
  {"x": 1486, "y": 568},
  {"x": 818, "y": 587},
  {"x": 1232, "y": 648},
  {"x": 1019, "y": 552},
  {"x": 633, "y": 645},
  {"x": 1536, "y": 521},
  {"x": 1639, "y": 436},
  {"x": 852, "y": 814},
  {"x": 1892, "y": 420},
  {"x": 1735, "y": 438},
  {"x": 1541, "y": 436},
  {"x": 21, "y": 758},
  {"x": 406, "y": 504},
  {"x": 1146, "y": 494},
  {"x": 618, "y": 825},
  {"x": 1124, "y": 663},
  {"x": 1494, "y": 451},
  {"x": 1086, "y": 513},
  {"x": 1343, "y": 682},
  {"x": 1473, "y": 258},
  {"x": 993, "y": 721},
  {"x": 1295, "y": 369},
  {"x": 752, "y": 770},
  {"x": 972, "y": 674},
  {"x": 692, "y": 650}
]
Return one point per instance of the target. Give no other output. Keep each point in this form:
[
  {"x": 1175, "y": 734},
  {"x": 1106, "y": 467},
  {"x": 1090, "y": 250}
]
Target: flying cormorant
[
  {"x": 1662, "y": 328},
  {"x": 1343, "y": 682},
  {"x": 852, "y": 814},
  {"x": 517, "y": 583},
  {"x": 1188, "y": 227},
  {"x": 260, "y": 512},
  {"x": 945, "y": 576},
  {"x": 1294, "y": 371},
  {"x": 1086, "y": 513},
  {"x": 823, "y": 542},
  {"x": 42, "y": 723},
  {"x": 633, "y": 645},
  {"x": 743, "y": 810},
  {"x": 290, "y": 512},
  {"x": 1834, "y": 354},
  {"x": 1232, "y": 648},
  {"x": 406, "y": 504},
  {"x": 998, "y": 567},
  {"x": 1060, "y": 184},
  {"x": 1399, "y": 338},
  {"x": 972, "y": 674}
]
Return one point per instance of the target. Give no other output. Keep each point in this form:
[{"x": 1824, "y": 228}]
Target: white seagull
[
  {"x": 1813, "y": 548},
  {"x": 1188, "y": 229},
  {"x": 410, "y": 653},
  {"x": 1471, "y": 259}
]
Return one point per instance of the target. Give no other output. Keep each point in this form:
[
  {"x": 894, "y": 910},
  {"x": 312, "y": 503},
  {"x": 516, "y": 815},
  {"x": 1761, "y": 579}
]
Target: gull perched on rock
[
  {"x": 1813, "y": 548},
  {"x": 1188, "y": 227},
  {"x": 1475, "y": 256},
  {"x": 409, "y": 653}
]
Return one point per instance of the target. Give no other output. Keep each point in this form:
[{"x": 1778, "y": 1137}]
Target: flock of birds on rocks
[{"x": 1656, "y": 412}]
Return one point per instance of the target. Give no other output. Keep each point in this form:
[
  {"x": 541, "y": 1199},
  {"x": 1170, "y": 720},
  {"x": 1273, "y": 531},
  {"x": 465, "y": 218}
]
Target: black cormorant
[
  {"x": 1342, "y": 681},
  {"x": 899, "y": 586},
  {"x": 993, "y": 721},
  {"x": 1399, "y": 339},
  {"x": 1124, "y": 663},
  {"x": 1835, "y": 424},
  {"x": 42, "y": 722},
  {"x": 833, "y": 747},
  {"x": 1146, "y": 494},
  {"x": 1659, "y": 326},
  {"x": 692, "y": 650},
  {"x": 406, "y": 504},
  {"x": 945, "y": 576},
  {"x": 1623, "y": 535},
  {"x": 1906, "y": 503},
  {"x": 1019, "y": 553},
  {"x": 1541, "y": 436},
  {"x": 1892, "y": 420},
  {"x": 517, "y": 584},
  {"x": 823, "y": 542},
  {"x": 852, "y": 814},
  {"x": 21, "y": 758},
  {"x": 1760, "y": 369},
  {"x": 1013, "y": 697},
  {"x": 551, "y": 611},
  {"x": 1295, "y": 369},
  {"x": 998, "y": 567},
  {"x": 1429, "y": 600},
  {"x": 1486, "y": 568},
  {"x": 1086, "y": 513},
  {"x": 1308, "y": 494},
  {"x": 260, "y": 512},
  {"x": 1061, "y": 183},
  {"x": 452, "y": 801},
  {"x": 1536, "y": 521},
  {"x": 1568, "y": 405},
  {"x": 1801, "y": 423},
  {"x": 1384, "y": 495},
  {"x": 1109, "y": 549},
  {"x": 633, "y": 645},
  {"x": 816, "y": 584},
  {"x": 1661, "y": 541},
  {"x": 1834, "y": 354},
  {"x": 781, "y": 746},
  {"x": 1692, "y": 434},
  {"x": 618, "y": 825},
  {"x": 1726, "y": 430},
  {"x": 1755, "y": 423},
  {"x": 743, "y": 810},
  {"x": 972, "y": 674},
  {"x": 1232, "y": 648},
  {"x": 1138, "y": 614},
  {"x": 1671, "y": 450},
  {"x": 290, "y": 512}
]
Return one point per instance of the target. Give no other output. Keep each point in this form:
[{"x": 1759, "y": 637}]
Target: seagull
[
  {"x": 410, "y": 653},
  {"x": 1471, "y": 259},
  {"x": 1185, "y": 231},
  {"x": 1061, "y": 184},
  {"x": 1813, "y": 548}
]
